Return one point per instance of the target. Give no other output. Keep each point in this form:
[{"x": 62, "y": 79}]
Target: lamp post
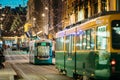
[
  {"x": 34, "y": 22},
  {"x": 45, "y": 17},
  {"x": 34, "y": 25},
  {"x": 48, "y": 17}
]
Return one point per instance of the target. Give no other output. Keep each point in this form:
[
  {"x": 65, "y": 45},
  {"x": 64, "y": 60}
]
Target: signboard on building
[{"x": 27, "y": 27}]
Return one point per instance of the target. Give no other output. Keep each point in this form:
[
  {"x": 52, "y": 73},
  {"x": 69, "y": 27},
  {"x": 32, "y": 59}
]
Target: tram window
[
  {"x": 43, "y": 50},
  {"x": 101, "y": 37},
  {"x": 69, "y": 44},
  {"x": 115, "y": 34},
  {"x": 84, "y": 40},
  {"x": 79, "y": 42},
  {"x": 60, "y": 43},
  {"x": 72, "y": 41},
  {"x": 92, "y": 42},
  {"x": 90, "y": 39}
]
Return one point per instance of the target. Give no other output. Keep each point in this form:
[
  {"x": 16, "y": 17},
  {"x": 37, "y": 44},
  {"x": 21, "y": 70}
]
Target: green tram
[
  {"x": 90, "y": 50},
  {"x": 41, "y": 52}
]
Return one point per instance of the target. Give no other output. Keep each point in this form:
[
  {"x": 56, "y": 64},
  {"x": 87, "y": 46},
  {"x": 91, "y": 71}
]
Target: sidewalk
[{"x": 7, "y": 73}]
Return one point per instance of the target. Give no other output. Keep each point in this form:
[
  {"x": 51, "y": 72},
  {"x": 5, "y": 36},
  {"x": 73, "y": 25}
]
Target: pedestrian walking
[{"x": 53, "y": 47}]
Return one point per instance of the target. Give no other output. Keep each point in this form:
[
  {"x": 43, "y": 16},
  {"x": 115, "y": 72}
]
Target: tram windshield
[
  {"x": 115, "y": 34},
  {"x": 43, "y": 51}
]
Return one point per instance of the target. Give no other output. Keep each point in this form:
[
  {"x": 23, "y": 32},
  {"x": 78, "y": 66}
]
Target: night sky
[{"x": 13, "y": 3}]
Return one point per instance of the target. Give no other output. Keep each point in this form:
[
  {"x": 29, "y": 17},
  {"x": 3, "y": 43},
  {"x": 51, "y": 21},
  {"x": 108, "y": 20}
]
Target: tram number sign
[{"x": 43, "y": 44}]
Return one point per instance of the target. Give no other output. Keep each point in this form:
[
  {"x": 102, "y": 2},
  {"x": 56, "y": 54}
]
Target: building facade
[
  {"x": 78, "y": 10},
  {"x": 39, "y": 15},
  {"x": 62, "y": 13}
]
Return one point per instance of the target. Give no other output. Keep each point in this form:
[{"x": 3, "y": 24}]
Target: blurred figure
[
  {"x": 4, "y": 46},
  {"x": 2, "y": 59},
  {"x": 18, "y": 46},
  {"x": 53, "y": 47},
  {"x": 31, "y": 45},
  {"x": 8, "y": 48}
]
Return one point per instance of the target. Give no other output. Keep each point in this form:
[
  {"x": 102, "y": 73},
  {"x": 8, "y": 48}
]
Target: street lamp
[
  {"x": 34, "y": 19},
  {"x": 34, "y": 22},
  {"x": 46, "y": 8},
  {"x": 43, "y": 14}
]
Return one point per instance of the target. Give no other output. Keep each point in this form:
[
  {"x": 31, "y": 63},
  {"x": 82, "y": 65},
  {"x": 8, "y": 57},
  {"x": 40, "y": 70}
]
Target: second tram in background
[{"x": 40, "y": 52}]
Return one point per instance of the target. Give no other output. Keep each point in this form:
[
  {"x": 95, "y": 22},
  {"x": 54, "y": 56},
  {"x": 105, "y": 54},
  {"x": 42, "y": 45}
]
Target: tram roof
[
  {"x": 93, "y": 17},
  {"x": 71, "y": 28}
]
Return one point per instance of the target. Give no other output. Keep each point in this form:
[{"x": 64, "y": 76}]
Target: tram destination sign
[{"x": 43, "y": 44}]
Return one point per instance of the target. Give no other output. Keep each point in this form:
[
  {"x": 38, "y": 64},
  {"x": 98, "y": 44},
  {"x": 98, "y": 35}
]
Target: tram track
[
  {"x": 39, "y": 72},
  {"x": 19, "y": 72},
  {"x": 27, "y": 71},
  {"x": 51, "y": 68}
]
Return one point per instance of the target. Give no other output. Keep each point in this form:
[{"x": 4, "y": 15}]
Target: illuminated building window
[{"x": 104, "y": 6}]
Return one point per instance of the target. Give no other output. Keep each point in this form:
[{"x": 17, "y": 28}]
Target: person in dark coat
[
  {"x": 53, "y": 47},
  {"x": 2, "y": 59}
]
